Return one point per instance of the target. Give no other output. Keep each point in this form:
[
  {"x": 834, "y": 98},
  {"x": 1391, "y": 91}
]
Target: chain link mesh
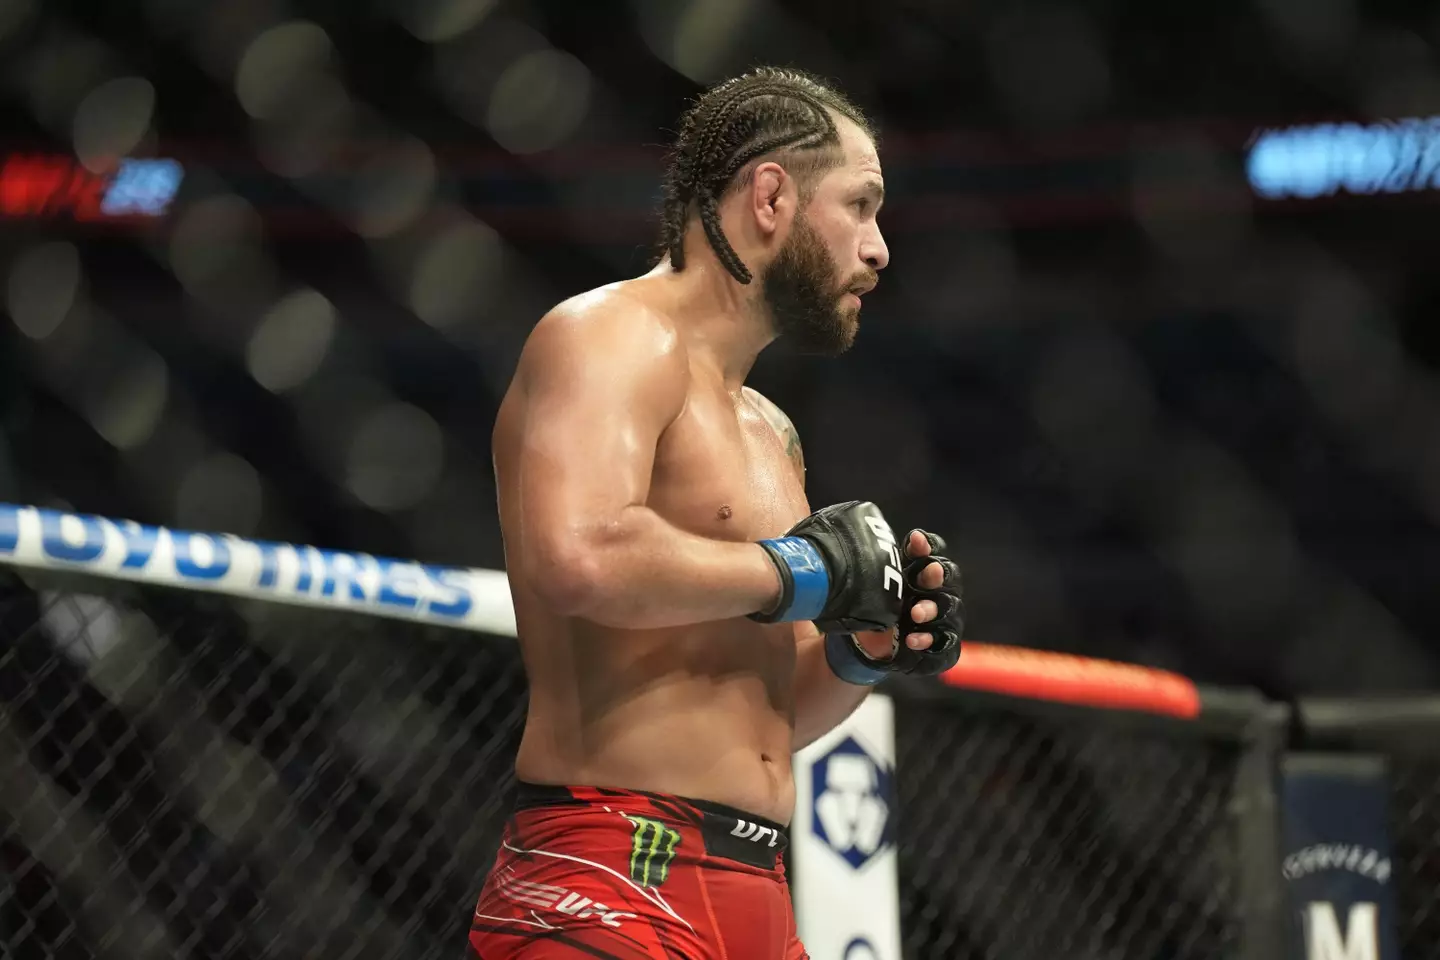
[
  {"x": 183, "y": 777},
  {"x": 1023, "y": 837},
  {"x": 188, "y": 776},
  {"x": 1415, "y": 821}
]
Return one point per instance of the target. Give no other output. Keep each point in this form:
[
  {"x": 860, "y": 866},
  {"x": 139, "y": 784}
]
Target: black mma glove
[
  {"x": 849, "y": 661},
  {"x": 839, "y": 567}
]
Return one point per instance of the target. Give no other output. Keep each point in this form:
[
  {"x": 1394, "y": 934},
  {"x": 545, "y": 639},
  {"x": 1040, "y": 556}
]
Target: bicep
[{"x": 598, "y": 394}]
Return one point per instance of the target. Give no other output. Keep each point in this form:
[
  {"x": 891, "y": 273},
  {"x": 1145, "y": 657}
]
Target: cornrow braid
[{"x": 765, "y": 111}]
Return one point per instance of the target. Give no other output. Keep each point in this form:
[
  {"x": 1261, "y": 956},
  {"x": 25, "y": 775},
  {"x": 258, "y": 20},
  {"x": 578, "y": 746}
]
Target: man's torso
[{"x": 703, "y": 711}]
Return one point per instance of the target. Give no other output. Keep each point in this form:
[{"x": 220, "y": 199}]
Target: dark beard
[{"x": 804, "y": 301}]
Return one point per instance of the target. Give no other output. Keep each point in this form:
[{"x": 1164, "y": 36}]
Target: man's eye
[{"x": 862, "y": 204}]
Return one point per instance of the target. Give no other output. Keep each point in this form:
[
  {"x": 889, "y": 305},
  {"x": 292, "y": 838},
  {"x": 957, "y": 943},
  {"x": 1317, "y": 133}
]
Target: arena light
[
  {"x": 142, "y": 188},
  {"x": 44, "y": 283},
  {"x": 37, "y": 185},
  {"x": 1322, "y": 160}
]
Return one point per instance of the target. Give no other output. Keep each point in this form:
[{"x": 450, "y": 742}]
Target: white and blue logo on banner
[
  {"x": 853, "y": 802},
  {"x": 222, "y": 563},
  {"x": 847, "y": 882},
  {"x": 860, "y": 949}
]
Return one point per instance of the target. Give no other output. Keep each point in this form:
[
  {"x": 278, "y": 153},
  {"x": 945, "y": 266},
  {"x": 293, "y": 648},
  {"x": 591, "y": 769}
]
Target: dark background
[{"x": 1159, "y": 419}]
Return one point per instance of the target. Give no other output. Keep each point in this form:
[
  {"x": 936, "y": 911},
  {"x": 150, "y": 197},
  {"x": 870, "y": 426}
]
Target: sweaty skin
[
  {"x": 702, "y": 709},
  {"x": 635, "y": 474}
]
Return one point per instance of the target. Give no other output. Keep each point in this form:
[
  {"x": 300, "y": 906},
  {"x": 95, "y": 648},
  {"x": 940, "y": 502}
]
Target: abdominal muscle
[{"x": 702, "y": 712}]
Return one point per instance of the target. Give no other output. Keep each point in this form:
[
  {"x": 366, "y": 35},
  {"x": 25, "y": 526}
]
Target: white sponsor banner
[
  {"x": 847, "y": 896},
  {"x": 282, "y": 572}
]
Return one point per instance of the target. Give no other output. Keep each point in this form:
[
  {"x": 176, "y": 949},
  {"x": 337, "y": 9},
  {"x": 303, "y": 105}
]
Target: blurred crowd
[{"x": 1161, "y": 418}]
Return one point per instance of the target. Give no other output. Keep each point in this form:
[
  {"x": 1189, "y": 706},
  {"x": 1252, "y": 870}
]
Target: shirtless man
[{"x": 685, "y": 625}]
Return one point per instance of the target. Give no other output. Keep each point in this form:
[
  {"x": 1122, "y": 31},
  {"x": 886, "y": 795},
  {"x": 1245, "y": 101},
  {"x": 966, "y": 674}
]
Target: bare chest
[{"x": 722, "y": 472}]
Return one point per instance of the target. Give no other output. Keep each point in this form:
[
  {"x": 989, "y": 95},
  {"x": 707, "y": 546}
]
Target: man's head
[{"x": 783, "y": 176}]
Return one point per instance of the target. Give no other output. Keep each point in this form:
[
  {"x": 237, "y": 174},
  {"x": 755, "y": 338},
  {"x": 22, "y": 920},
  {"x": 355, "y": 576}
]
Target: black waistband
[{"x": 727, "y": 831}]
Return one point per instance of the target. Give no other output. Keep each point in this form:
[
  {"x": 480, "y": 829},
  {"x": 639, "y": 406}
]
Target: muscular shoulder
[
  {"x": 784, "y": 428},
  {"x": 612, "y": 321},
  {"x": 607, "y": 333}
]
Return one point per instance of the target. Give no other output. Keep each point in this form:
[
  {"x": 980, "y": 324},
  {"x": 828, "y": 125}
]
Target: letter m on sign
[{"x": 1325, "y": 941}]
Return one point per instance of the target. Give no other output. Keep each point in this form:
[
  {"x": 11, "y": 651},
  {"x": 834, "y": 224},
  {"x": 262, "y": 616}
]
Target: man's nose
[{"x": 874, "y": 252}]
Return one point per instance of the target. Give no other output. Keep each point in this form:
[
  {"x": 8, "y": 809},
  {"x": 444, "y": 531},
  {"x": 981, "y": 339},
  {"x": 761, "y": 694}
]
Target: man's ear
[{"x": 767, "y": 196}]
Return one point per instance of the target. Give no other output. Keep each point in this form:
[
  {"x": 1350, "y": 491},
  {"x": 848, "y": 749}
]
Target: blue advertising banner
[{"x": 1337, "y": 857}]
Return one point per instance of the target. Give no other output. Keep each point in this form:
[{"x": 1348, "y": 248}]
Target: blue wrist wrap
[
  {"x": 807, "y": 571},
  {"x": 846, "y": 661}
]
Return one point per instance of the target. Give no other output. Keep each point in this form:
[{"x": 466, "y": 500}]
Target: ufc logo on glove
[{"x": 886, "y": 536}]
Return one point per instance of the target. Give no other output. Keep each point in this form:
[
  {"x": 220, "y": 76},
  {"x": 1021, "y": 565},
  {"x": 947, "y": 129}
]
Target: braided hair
[{"x": 765, "y": 111}]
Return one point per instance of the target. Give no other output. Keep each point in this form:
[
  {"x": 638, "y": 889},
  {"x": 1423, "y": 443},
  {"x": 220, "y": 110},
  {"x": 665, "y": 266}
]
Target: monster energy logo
[{"x": 651, "y": 851}]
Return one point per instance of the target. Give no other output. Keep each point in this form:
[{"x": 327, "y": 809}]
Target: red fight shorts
[{"x": 624, "y": 875}]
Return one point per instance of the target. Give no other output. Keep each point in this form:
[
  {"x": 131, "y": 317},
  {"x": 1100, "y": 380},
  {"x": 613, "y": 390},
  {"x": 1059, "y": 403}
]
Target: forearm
[
  {"x": 642, "y": 572},
  {"x": 822, "y": 700}
]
